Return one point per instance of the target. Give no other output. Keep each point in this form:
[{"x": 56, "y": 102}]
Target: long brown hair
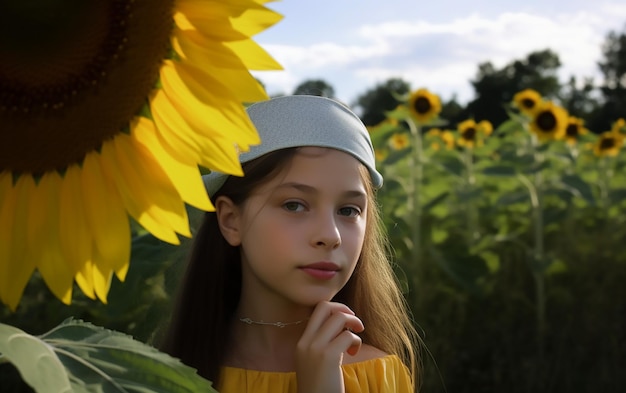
[{"x": 199, "y": 331}]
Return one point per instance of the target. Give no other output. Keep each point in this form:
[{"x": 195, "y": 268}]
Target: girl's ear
[{"x": 228, "y": 220}]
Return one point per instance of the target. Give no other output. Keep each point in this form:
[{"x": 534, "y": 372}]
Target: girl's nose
[{"x": 326, "y": 233}]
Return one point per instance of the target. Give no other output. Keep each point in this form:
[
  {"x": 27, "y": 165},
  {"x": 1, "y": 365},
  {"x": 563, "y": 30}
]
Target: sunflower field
[{"x": 509, "y": 242}]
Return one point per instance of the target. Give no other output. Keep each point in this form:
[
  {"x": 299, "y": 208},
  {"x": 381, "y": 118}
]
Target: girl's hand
[{"x": 319, "y": 352}]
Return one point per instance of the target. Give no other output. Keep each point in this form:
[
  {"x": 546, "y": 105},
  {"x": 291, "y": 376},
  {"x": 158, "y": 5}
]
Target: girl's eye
[
  {"x": 293, "y": 206},
  {"x": 349, "y": 211}
]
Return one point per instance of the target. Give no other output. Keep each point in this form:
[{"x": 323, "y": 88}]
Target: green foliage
[
  {"x": 80, "y": 357},
  {"x": 511, "y": 254}
]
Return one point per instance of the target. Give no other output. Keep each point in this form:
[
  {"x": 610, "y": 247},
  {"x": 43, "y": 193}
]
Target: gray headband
[{"x": 300, "y": 120}]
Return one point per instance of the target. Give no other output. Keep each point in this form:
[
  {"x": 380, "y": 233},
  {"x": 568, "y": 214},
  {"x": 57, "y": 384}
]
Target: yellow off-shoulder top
[{"x": 386, "y": 374}]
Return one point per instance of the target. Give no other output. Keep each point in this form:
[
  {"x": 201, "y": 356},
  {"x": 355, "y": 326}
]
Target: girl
[{"x": 289, "y": 288}]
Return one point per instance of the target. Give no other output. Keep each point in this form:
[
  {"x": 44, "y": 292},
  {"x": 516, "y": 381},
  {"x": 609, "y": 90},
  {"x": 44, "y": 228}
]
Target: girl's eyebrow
[{"x": 312, "y": 190}]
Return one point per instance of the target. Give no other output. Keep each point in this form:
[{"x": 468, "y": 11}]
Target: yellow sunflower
[
  {"x": 107, "y": 108},
  {"x": 527, "y": 101},
  {"x": 380, "y": 154},
  {"x": 619, "y": 126},
  {"x": 608, "y": 144},
  {"x": 448, "y": 139},
  {"x": 549, "y": 121},
  {"x": 438, "y": 137},
  {"x": 574, "y": 130},
  {"x": 423, "y": 105},
  {"x": 468, "y": 134},
  {"x": 399, "y": 141},
  {"x": 485, "y": 127}
]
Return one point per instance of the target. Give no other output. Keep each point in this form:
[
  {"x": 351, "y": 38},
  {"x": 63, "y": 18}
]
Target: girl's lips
[{"x": 321, "y": 270}]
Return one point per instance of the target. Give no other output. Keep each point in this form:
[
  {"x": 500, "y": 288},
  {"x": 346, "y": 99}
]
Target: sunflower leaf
[
  {"x": 509, "y": 126},
  {"x": 396, "y": 156},
  {"x": 435, "y": 201},
  {"x": 96, "y": 359},
  {"x": 499, "y": 170},
  {"x": 36, "y": 362},
  {"x": 617, "y": 195},
  {"x": 577, "y": 186}
]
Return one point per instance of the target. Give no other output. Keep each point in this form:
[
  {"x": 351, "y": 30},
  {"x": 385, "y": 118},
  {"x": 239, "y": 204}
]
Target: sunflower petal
[
  {"x": 43, "y": 230},
  {"x": 84, "y": 280},
  {"x": 253, "y": 55},
  {"x": 176, "y": 131},
  {"x": 186, "y": 177},
  {"x": 106, "y": 217},
  {"x": 7, "y": 206},
  {"x": 200, "y": 97},
  {"x": 255, "y": 20},
  {"x": 216, "y": 58},
  {"x": 225, "y": 21},
  {"x": 75, "y": 238},
  {"x": 13, "y": 240},
  {"x": 101, "y": 276},
  {"x": 145, "y": 190}
]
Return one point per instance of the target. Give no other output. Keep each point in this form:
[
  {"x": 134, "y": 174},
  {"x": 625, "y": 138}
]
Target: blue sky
[{"x": 355, "y": 44}]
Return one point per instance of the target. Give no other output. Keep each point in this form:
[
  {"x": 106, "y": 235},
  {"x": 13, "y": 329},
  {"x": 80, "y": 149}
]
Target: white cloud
[{"x": 444, "y": 56}]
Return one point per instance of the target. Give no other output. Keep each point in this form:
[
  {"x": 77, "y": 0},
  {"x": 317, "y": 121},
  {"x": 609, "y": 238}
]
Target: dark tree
[
  {"x": 613, "y": 89},
  {"x": 383, "y": 97},
  {"x": 315, "y": 87},
  {"x": 578, "y": 98},
  {"x": 495, "y": 88},
  {"x": 451, "y": 111}
]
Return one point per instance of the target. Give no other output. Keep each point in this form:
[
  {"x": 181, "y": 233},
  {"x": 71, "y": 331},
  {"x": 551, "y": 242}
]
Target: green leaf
[
  {"x": 617, "y": 195},
  {"x": 94, "y": 359},
  {"x": 36, "y": 362},
  {"x": 537, "y": 167},
  {"x": 452, "y": 165},
  {"x": 467, "y": 270},
  {"x": 509, "y": 126},
  {"x": 396, "y": 155},
  {"x": 435, "y": 201},
  {"x": 499, "y": 170},
  {"x": 577, "y": 186},
  {"x": 512, "y": 198}
]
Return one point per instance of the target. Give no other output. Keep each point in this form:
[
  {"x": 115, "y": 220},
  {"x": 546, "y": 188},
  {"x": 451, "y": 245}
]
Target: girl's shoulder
[{"x": 367, "y": 352}]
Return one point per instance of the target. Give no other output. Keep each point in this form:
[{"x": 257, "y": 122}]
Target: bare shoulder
[{"x": 367, "y": 352}]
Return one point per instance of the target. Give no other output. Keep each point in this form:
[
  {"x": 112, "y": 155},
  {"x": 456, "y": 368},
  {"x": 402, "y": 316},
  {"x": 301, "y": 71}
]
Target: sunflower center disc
[
  {"x": 469, "y": 134},
  {"x": 546, "y": 121},
  {"x": 607, "y": 143},
  {"x": 528, "y": 103},
  {"x": 73, "y": 73},
  {"x": 571, "y": 130},
  {"x": 422, "y": 105}
]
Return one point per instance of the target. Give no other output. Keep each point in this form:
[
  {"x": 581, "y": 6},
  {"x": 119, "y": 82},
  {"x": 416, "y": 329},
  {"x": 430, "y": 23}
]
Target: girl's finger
[
  {"x": 348, "y": 342},
  {"x": 322, "y": 312},
  {"x": 335, "y": 325}
]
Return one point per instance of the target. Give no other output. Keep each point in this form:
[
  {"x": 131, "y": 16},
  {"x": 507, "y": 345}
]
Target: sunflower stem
[
  {"x": 538, "y": 258},
  {"x": 605, "y": 173},
  {"x": 414, "y": 200},
  {"x": 468, "y": 158}
]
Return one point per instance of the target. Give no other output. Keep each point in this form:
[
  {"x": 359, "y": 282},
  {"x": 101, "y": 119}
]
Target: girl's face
[{"x": 301, "y": 233}]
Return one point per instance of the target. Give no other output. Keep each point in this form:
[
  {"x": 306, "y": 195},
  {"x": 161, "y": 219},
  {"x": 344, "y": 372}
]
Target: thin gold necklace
[{"x": 277, "y": 324}]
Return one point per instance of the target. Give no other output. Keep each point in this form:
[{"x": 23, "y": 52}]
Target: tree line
[{"x": 599, "y": 103}]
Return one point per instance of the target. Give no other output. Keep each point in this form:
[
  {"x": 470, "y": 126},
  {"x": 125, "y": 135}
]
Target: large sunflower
[
  {"x": 608, "y": 144},
  {"x": 527, "y": 101},
  {"x": 424, "y": 105},
  {"x": 574, "y": 130},
  {"x": 619, "y": 126},
  {"x": 469, "y": 133},
  {"x": 106, "y": 110},
  {"x": 399, "y": 141},
  {"x": 549, "y": 121}
]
